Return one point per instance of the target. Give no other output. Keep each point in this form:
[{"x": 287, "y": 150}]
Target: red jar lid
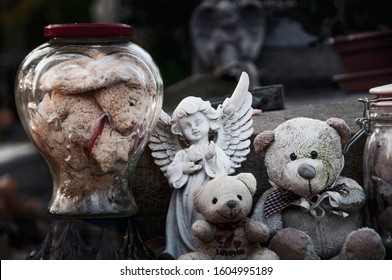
[{"x": 88, "y": 30}]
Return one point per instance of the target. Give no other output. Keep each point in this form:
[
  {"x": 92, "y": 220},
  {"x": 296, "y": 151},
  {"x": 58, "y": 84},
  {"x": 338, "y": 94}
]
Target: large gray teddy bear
[{"x": 312, "y": 212}]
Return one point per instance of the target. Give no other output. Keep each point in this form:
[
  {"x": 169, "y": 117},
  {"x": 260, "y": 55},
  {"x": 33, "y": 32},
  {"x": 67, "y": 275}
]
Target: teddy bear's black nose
[
  {"x": 231, "y": 204},
  {"x": 306, "y": 171}
]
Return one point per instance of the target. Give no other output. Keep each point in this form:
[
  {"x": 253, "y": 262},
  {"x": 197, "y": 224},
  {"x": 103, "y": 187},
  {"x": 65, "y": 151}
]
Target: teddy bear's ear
[
  {"x": 341, "y": 127},
  {"x": 249, "y": 180},
  {"x": 262, "y": 141}
]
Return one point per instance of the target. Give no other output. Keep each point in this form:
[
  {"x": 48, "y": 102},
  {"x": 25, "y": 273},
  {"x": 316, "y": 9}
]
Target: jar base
[{"x": 92, "y": 239}]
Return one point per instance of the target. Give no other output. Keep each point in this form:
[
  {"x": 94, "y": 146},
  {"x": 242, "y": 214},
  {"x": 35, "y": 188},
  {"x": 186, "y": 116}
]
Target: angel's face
[{"x": 194, "y": 127}]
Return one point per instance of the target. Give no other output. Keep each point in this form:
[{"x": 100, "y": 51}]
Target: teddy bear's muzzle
[
  {"x": 231, "y": 204},
  {"x": 306, "y": 171},
  {"x": 231, "y": 209}
]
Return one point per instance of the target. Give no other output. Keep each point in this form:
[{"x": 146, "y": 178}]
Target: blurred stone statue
[
  {"x": 227, "y": 36},
  {"x": 109, "y": 11}
]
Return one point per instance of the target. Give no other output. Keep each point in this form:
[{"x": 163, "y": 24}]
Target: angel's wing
[
  {"x": 163, "y": 143},
  {"x": 236, "y": 123}
]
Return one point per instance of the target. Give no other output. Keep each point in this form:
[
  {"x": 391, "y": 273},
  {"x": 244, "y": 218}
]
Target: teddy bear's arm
[
  {"x": 203, "y": 230},
  {"x": 274, "y": 222},
  {"x": 353, "y": 199},
  {"x": 256, "y": 232}
]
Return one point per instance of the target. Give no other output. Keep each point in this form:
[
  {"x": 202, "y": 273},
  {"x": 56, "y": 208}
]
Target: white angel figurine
[{"x": 196, "y": 144}]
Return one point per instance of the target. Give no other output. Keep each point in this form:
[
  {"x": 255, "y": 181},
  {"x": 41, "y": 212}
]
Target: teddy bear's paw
[
  {"x": 262, "y": 254},
  {"x": 292, "y": 244},
  {"x": 203, "y": 230},
  {"x": 256, "y": 232},
  {"x": 363, "y": 244},
  {"x": 195, "y": 256}
]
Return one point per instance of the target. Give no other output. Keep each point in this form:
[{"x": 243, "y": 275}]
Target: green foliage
[
  {"x": 22, "y": 21},
  {"x": 326, "y": 18},
  {"x": 161, "y": 27}
]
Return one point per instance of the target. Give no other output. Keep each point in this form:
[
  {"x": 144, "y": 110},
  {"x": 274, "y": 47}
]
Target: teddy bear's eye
[
  {"x": 293, "y": 156},
  {"x": 313, "y": 154},
  {"x": 214, "y": 200},
  {"x": 239, "y": 197}
]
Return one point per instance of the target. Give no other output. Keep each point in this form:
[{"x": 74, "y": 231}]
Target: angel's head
[{"x": 194, "y": 118}]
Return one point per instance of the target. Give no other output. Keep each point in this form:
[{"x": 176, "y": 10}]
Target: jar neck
[
  {"x": 381, "y": 115},
  {"x": 101, "y": 40}
]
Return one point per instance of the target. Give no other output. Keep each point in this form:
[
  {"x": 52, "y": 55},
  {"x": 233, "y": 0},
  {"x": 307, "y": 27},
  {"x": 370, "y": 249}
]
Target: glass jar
[
  {"x": 89, "y": 99},
  {"x": 377, "y": 164}
]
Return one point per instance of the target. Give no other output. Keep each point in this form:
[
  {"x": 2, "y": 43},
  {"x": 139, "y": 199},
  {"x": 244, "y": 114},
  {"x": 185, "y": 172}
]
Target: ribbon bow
[{"x": 279, "y": 199}]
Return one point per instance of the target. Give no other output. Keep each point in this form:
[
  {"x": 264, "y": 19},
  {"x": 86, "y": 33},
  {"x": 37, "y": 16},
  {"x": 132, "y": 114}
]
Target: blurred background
[
  {"x": 162, "y": 28},
  {"x": 293, "y": 40}
]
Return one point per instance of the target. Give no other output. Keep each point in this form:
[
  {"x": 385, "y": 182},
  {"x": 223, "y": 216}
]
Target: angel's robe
[{"x": 182, "y": 213}]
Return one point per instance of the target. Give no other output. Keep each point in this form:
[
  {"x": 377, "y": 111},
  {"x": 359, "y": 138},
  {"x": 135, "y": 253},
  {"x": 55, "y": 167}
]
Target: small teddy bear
[
  {"x": 312, "y": 212},
  {"x": 227, "y": 232}
]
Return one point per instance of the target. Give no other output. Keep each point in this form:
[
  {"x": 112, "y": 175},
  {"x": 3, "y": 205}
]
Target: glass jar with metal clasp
[{"x": 377, "y": 161}]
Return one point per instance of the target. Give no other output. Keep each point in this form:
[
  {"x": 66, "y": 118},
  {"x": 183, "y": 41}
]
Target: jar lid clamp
[{"x": 383, "y": 98}]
